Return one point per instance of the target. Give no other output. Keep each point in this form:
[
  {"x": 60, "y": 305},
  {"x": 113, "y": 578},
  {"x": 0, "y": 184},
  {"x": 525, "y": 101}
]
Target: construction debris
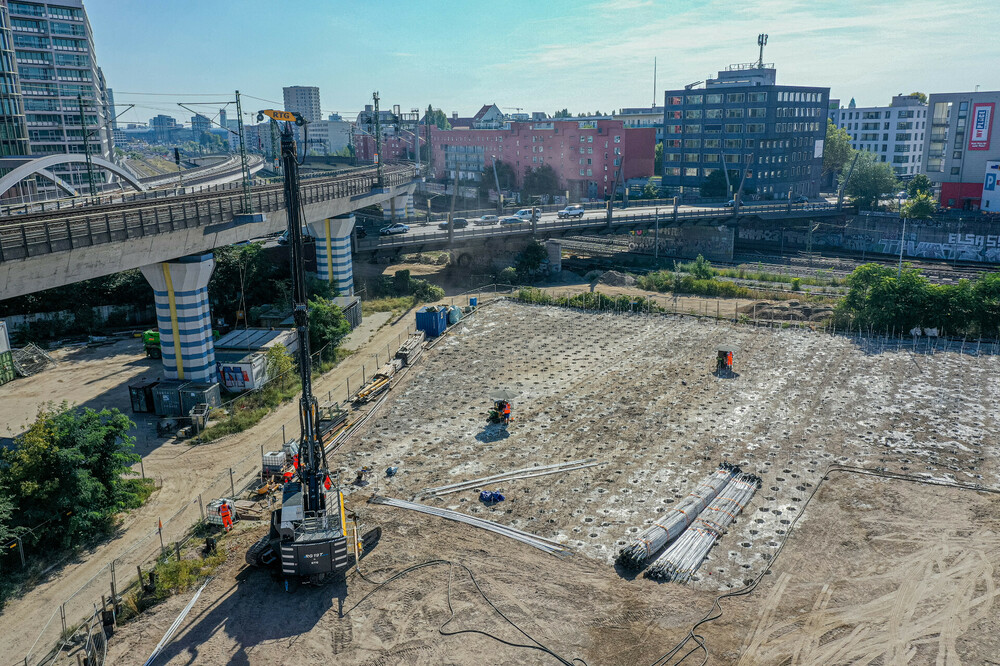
[
  {"x": 526, "y": 473},
  {"x": 670, "y": 525},
  {"x": 31, "y": 359},
  {"x": 379, "y": 383},
  {"x": 410, "y": 351},
  {"x": 682, "y": 559},
  {"x": 549, "y": 546}
]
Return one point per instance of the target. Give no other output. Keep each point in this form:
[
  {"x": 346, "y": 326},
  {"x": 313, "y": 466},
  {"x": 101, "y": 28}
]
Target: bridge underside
[{"x": 67, "y": 264}]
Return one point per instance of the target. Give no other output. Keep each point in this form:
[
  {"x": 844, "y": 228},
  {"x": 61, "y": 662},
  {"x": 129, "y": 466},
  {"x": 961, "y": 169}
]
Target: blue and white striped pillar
[
  {"x": 398, "y": 208},
  {"x": 180, "y": 290},
  {"x": 333, "y": 252}
]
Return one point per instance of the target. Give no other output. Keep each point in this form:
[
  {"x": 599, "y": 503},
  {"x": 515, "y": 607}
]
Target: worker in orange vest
[
  {"x": 227, "y": 516},
  {"x": 506, "y": 412}
]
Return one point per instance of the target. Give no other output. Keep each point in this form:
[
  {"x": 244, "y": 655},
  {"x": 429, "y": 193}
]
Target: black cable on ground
[
  {"x": 451, "y": 565},
  {"x": 716, "y": 611}
]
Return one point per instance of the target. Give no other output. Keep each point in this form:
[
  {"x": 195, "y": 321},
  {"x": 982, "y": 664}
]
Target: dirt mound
[
  {"x": 616, "y": 279},
  {"x": 787, "y": 310}
]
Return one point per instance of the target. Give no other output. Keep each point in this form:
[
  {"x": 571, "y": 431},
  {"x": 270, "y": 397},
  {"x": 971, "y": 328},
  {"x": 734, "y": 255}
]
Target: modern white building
[
  {"x": 894, "y": 133},
  {"x": 327, "y": 137},
  {"x": 643, "y": 117},
  {"x": 58, "y": 72},
  {"x": 305, "y": 100}
]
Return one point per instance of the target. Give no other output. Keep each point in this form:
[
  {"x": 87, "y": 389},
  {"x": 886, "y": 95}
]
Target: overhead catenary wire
[{"x": 670, "y": 525}]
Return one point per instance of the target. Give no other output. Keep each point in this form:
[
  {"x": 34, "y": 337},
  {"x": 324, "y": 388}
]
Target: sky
[{"x": 536, "y": 55}]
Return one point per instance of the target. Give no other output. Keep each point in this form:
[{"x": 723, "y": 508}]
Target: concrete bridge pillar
[
  {"x": 400, "y": 208},
  {"x": 554, "y": 250},
  {"x": 180, "y": 290},
  {"x": 333, "y": 252}
]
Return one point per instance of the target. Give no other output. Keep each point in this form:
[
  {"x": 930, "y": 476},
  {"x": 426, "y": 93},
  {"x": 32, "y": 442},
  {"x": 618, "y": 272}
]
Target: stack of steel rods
[
  {"x": 686, "y": 554},
  {"x": 526, "y": 473},
  {"x": 670, "y": 525},
  {"x": 541, "y": 543}
]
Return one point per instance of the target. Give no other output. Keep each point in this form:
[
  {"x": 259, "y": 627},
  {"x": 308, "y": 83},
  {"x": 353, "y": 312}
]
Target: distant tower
[
  {"x": 761, "y": 42},
  {"x": 853, "y": 104},
  {"x": 222, "y": 117}
]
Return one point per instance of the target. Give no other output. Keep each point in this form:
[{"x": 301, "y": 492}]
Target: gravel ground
[{"x": 637, "y": 393}]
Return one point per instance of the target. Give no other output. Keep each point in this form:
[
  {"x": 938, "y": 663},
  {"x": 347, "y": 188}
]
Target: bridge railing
[
  {"x": 620, "y": 219},
  {"x": 147, "y": 218}
]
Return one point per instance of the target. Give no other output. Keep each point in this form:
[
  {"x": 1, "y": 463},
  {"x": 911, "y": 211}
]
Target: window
[
  {"x": 583, "y": 172},
  {"x": 674, "y": 129},
  {"x": 692, "y": 143},
  {"x": 713, "y": 99},
  {"x": 957, "y": 155},
  {"x": 618, "y": 151},
  {"x": 692, "y": 129},
  {"x": 694, "y": 99},
  {"x": 590, "y": 161},
  {"x": 734, "y": 143},
  {"x": 904, "y": 126},
  {"x": 734, "y": 113},
  {"x": 757, "y": 97},
  {"x": 618, "y": 139},
  {"x": 732, "y": 159},
  {"x": 674, "y": 101},
  {"x": 955, "y": 171},
  {"x": 590, "y": 172},
  {"x": 672, "y": 171},
  {"x": 748, "y": 143},
  {"x": 755, "y": 128},
  {"x": 590, "y": 139},
  {"x": 713, "y": 113},
  {"x": 583, "y": 139},
  {"x": 692, "y": 113},
  {"x": 691, "y": 157},
  {"x": 903, "y": 137},
  {"x": 691, "y": 171},
  {"x": 710, "y": 157},
  {"x": 734, "y": 129},
  {"x": 713, "y": 129},
  {"x": 671, "y": 157},
  {"x": 758, "y": 112},
  {"x": 733, "y": 98},
  {"x": 590, "y": 150},
  {"x": 712, "y": 143}
]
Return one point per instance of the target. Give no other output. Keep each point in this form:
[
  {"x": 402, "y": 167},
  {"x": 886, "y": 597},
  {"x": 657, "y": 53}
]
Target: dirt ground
[
  {"x": 637, "y": 393},
  {"x": 99, "y": 377}
]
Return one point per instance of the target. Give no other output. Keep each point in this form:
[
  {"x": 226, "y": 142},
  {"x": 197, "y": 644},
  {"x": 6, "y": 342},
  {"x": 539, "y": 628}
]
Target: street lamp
[{"x": 496, "y": 179}]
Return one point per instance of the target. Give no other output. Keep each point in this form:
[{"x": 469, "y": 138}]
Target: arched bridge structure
[{"x": 24, "y": 167}]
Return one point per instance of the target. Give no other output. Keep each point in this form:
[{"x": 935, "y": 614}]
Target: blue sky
[{"x": 541, "y": 55}]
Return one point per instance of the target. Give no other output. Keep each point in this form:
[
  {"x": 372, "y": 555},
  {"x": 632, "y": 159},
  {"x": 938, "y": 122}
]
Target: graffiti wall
[
  {"x": 953, "y": 240},
  {"x": 714, "y": 243}
]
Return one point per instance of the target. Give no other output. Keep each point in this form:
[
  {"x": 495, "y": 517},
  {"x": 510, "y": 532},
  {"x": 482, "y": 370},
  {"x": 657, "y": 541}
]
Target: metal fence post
[
  {"x": 232, "y": 486},
  {"x": 201, "y": 507}
]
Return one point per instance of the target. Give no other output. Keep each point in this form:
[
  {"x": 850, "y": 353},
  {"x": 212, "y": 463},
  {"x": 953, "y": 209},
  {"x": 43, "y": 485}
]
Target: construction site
[{"x": 817, "y": 497}]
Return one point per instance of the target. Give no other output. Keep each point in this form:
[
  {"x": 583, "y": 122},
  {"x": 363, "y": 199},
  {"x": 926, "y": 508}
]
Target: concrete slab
[{"x": 363, "y": 333}]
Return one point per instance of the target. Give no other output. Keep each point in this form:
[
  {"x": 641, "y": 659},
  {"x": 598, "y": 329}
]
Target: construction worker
[
  {"x": 729, "y": 360},
  {"x": 227, "y": 516},
  {"x": 506, "y": 412}
]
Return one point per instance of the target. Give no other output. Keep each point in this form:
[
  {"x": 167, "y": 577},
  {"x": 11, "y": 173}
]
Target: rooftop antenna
[
  {"x": 654, "y": 82},
  {"x": 761, "y": 42}
]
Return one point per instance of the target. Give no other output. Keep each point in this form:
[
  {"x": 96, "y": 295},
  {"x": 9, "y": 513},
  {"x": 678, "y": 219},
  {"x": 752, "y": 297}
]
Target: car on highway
[
  {"x": 393, "y": 229},
  {"x": 528, "y": 214},
  {"x": 485, "y": 220},
  {"x": 512, "y": 219},
  {"x": 573, "y": 210},
  {"x": 459, "y": 223},
  {"x": 731, "y": 203},
  {"x": 802, "y": 200}
]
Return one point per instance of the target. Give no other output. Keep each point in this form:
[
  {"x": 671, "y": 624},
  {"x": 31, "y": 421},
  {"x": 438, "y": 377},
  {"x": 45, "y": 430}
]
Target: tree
[
  {"x": 715, "y": 185},
  {"x": 504, "y": 173},
  {"x": 921, "y": 96},
  {"x": 870, "y": 182},
  {"x": 920, "y": 206},
  {"x": 564, "y": 113},
  {"x": 6, "y": 509},
  {"x": 658, "y": 158},
  {"x": 541, "y": 180},
  {"x": 531, "y": 258},
  {"x": 650, "y": 191},
  {"x": 436, "y": 117},
  {"x": 66, "y": 471},
  {"x": 918, "y": 184},
  {"x": 243, "y": 278},
  {"x": 212, "y": 143},
  {"x": 327, "y": 326},
  {"x": 837, "y": 151},
  {"x": 279, "y": 364}
]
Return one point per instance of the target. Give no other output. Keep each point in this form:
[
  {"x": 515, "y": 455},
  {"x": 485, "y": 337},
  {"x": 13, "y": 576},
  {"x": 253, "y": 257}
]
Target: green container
[{"x": 6, "y": 367}]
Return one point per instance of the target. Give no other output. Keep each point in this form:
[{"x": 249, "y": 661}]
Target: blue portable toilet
[{"x": 432, "y": 321}]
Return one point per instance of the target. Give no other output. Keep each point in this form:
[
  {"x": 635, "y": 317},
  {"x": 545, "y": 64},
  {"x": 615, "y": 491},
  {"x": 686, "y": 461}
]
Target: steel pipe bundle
[
  {"x": 670, "y": 525},
  {"x": 687, "y": 553},
  {"x": 526, "y": 473}
]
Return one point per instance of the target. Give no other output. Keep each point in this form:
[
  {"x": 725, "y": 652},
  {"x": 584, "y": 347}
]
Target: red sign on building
[{"x": 982, "y": 125}]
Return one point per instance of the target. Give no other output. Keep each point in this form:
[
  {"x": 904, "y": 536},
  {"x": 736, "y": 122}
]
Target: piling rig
[{"x": 310, "y": 538}]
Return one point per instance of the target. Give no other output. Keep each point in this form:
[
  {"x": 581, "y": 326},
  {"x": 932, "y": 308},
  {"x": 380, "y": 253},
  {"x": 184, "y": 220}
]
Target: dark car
[
  {"x": 802, "y": 199},
  {"x": 360, "y": 231},
  {"x": 511, "y": 219},
  {"x": 458, "y": 222}
]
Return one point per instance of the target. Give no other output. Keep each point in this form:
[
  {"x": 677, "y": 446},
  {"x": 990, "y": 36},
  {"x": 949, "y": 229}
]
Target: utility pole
[
  {"x": 378, "y": 142},
  {"x": 86, "y": 145},
  {"x": 275, "y": 150},
  {"x": 496, "y": 179},
  {"x": 247, "y": 201}
]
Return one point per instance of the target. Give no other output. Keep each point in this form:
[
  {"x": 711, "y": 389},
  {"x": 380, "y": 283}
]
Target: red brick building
[{"x": 585, "y": 154}]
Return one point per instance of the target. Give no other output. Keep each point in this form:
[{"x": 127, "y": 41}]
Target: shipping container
[
  {"x": 240, "y": 372},
  {"x": 167, "y": 397},
  {"x": 141, "y": 396},
  {"x": 199, "y": 394},
  {"x": 432, "y": 320}
]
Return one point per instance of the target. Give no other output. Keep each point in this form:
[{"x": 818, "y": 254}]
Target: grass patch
[
  {"x": 139, "y": 491},
  {"x": 172, "y": 577},
  {"x": 396, "y": 305}
]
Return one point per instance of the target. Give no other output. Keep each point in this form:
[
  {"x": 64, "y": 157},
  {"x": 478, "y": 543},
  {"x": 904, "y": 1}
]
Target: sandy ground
[
  {"x": 636, "y": 393},
  {"x": 99, "y": 377}
]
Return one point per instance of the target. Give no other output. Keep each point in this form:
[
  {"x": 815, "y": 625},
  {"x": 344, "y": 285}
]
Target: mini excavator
[{"x": 310, "y": 538}]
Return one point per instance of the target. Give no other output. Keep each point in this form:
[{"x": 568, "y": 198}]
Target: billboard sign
[
  {"x": 982, "y": 125},
  {"x": 990, "y": 201}
]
